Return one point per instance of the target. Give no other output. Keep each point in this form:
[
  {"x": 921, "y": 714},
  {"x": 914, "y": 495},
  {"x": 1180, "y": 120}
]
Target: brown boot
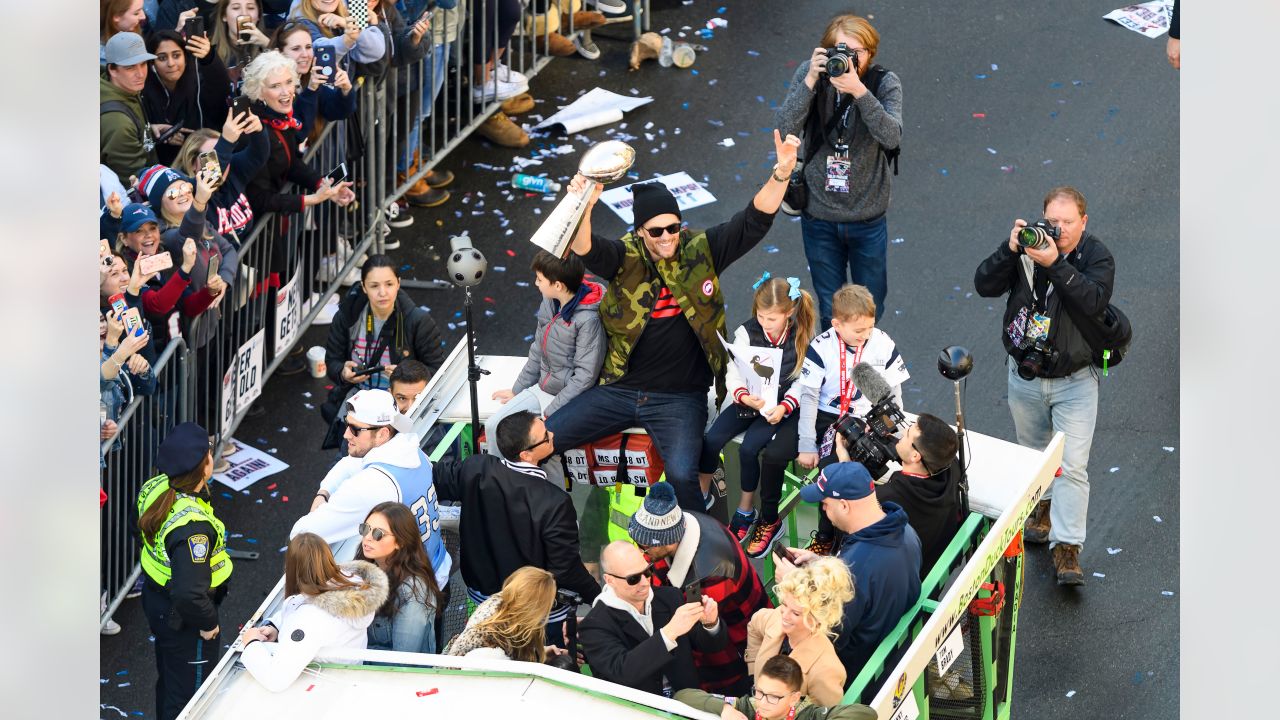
[
  {"x": 1036, "y": 531},
  {"x": 583, "y": 20},
  {"x": 648, "y": 47},
  {"x": 554, "y": 44},
  {"x": 1066, "y": 563},
  {"x": 517, "y": 105},
  {"x": 500, "y": 130}
]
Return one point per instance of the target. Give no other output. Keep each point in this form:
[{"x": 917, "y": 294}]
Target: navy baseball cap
[
  {"x": 135, "y": 215},
  {"x": 183, "y": 449},
  {"x": 842, "y": 481}
]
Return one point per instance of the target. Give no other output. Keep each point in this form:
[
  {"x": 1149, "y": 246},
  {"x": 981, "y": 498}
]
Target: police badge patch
[{"x": 199, "y": 546}]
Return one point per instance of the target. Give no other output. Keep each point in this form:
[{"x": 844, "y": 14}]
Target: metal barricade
[{"x": 127, "y": 463}]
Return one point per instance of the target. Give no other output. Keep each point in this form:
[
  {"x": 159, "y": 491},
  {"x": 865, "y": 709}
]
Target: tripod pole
[
  {"x": 960, "y": 425},
  {"x": 473, "y": 373}
]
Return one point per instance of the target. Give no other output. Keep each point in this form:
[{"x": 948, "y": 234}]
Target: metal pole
[{"x": 473, "y": 372}]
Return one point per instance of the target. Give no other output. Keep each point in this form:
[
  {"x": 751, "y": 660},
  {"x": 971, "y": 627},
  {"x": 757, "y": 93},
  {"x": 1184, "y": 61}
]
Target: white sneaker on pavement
[{"x": 497, "y": 90}]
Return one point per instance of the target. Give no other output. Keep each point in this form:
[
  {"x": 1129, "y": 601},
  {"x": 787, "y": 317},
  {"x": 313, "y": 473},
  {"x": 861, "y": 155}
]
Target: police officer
[{"x": 184, "y": 558}]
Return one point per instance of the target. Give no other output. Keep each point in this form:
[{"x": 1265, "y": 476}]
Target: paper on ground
[
  {"x": 1148, "y": 18},
  {"x": 248, "y": 466},
  {"x": 689, "y": 194},
  {"x": 596, "y": 108},
  {"x": 758, "y": 367}
]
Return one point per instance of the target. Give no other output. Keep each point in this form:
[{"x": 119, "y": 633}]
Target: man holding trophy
[{"x": 663, "y": 312}]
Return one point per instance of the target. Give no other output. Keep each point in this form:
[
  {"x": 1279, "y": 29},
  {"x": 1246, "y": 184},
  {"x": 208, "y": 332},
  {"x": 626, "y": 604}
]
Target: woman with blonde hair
[
  {"x": 511, "y": 624},
  {"x": 238, "y": 44},
  {"x": 325, "y": 605},
  {"x": 812, "y": 599}
]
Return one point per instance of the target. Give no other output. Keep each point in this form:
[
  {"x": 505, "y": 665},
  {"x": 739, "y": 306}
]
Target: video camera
[{"x": 870, "y": 439}]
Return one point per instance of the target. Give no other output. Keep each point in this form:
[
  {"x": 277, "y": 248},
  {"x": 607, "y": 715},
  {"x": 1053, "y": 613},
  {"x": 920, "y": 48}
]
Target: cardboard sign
[
  {"x": 248, "y": 372},
  {"x": 288, "y": 313}
]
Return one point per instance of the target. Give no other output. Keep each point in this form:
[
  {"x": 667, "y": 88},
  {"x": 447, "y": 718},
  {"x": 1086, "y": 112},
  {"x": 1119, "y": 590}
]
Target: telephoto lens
[
  {"x": 1037, "y": 235},
  {"x": 838, "y": 60}
]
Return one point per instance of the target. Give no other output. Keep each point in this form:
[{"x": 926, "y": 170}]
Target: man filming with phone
[{"x": 1051, "y": 270}]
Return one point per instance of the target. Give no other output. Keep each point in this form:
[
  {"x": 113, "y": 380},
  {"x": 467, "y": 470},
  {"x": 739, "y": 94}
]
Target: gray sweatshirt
[{"x": 873, "y": 121}]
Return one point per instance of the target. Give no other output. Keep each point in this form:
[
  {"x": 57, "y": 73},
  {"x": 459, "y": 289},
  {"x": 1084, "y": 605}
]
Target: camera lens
[
  {"x": 837, "y": 65},
  {"x": 1032, "y": 237}
]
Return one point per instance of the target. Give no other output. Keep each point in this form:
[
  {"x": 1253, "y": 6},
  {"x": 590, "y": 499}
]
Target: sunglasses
[
  {"x": 378, "y": 533},
  {"x": 177, "y": 190},
  {"x": 634, "y": 578},
  {"x": 357, "y": 430},
  {"x": 657, "y": 232},
  {"x": 545, "y": 439}
]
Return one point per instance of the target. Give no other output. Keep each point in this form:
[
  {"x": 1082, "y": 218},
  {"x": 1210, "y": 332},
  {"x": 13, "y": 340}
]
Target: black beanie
[{"x": 650, "y": 200}]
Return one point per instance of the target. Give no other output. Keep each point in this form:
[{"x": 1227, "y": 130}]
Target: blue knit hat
[{"x": 659, "y": 521}]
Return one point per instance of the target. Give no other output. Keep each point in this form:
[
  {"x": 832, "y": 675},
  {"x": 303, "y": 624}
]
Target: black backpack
[{"x": 1109, "y": 334}]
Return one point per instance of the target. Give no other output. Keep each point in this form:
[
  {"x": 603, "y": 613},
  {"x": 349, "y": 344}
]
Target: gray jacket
[
  {"x": 874, "y": 120},
  {"x": 568, "y": 349}
]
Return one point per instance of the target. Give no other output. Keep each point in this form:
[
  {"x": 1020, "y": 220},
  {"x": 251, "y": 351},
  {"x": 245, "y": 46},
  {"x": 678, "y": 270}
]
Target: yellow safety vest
[
  {"x": 186, "y": 508},
  {"x": 623, "y": 503}
]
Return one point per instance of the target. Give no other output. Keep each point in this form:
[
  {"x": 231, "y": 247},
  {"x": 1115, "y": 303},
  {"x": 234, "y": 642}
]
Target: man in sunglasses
[
  {"x": 642, "y": 636},
  {"x": 663, "y": 314},
  {"x": 384, "y": 463},
  {"x": 928, "y": 487},
  {"x": 512, "y": 517}
]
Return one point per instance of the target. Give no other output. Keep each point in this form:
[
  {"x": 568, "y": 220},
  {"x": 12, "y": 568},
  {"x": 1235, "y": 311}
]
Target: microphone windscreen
[{"x": 871, "y": 383}]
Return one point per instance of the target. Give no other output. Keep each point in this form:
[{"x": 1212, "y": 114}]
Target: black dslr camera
[
  {"x": 1038, "y": 234},
  {"x": 870, "y": 439},
  {"x": 840, "y": 60},
  {"x": 1035, "y": 355}
]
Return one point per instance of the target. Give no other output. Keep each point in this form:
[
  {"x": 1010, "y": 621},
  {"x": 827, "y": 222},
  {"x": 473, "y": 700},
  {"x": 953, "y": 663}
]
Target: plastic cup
[
  {"x": 315, "y": 361},
  {"x": 683, "y": 55}
]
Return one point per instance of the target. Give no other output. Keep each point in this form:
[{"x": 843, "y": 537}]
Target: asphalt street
[{"x": 1002, "y": 101}]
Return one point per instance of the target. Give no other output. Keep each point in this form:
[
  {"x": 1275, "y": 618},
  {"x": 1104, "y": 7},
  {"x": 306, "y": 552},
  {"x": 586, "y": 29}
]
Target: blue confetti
[
  {"x": 226, "y": 495},
  {"x": 695, "y": 72},
  {"x": 979, "y": 77},
  {"x": 721, "y": 10},
  {"x": 943, "y": 171},
  {"x": 499, "y": 268},
  {"x": 252, "y": 541},
  {"x": 122, "y": 672},
  {"x": 684, "y": 106},
  {"x": 759, "y": 98},
  {"x": 1055, "y": 85},
  {"x": 717, "y": 123},
  {"x": 1077, "y": 83},
  {"x": 753, "y": 53},
  {"x": 771, "y": 249},
  {"x": 528, "y": 338}
]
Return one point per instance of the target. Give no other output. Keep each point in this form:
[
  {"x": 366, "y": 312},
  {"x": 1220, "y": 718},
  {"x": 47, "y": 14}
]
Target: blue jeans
[
  {"x": 830, "y": 247},
  {"x": 1069, "y": 405},
  {"x": 674, "y": 422}
]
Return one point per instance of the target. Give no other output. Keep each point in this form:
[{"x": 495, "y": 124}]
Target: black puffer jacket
[
  {"x": 1084, "y": 279},
  {"x": 410, "y": 333}
]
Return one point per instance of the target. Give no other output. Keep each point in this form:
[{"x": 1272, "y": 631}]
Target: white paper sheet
[
  {"x": 248, "y": 466},
  {"x": 759, "y": 368},
  {"x": 596, "y": 108},
  {"x": 1148, "y": 18}
]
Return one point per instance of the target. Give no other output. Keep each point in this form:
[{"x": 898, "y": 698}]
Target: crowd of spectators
[{"x": 207, "y": 111}]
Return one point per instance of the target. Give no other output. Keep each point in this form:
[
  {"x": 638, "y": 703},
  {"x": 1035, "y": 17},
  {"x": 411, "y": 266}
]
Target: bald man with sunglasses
[
  {"x": 663, "y": 315},
  {"x": 642, "y": 636}
]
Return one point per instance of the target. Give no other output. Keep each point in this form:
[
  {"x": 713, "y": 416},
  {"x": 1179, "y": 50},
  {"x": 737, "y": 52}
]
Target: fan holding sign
[{"x": 765, "y": 354}]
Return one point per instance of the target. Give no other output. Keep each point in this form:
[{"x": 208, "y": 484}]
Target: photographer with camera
[
  {"x": 1054, "y": 272},
  {"x": 850, "y": 111}
]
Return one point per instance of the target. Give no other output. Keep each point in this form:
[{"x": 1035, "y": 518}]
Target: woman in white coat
[{"x": 326, "y": 605}]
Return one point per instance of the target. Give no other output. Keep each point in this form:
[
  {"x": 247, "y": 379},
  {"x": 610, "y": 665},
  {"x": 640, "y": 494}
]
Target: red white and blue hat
[{"x": 842, "y": 481}]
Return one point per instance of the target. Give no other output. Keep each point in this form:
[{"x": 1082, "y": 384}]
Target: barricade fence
[
  {"x": 291, "y": 265},
  {"x": 127, "y": 461}
]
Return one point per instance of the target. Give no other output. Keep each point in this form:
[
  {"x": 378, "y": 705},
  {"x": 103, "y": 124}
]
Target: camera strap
[{"x": 1038, "y": 281}]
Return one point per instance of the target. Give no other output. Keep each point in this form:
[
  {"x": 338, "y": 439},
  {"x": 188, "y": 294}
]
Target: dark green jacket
[{"x": 119, "y": 141}]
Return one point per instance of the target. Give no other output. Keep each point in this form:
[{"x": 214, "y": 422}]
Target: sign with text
[
  {"x": 950, "y": 651},
  {"x": 288, "y": 313},
  {"x": 688, "y": 192},
  {"x": 248, "y": 466},
  {"x": 248, "y": 372}
]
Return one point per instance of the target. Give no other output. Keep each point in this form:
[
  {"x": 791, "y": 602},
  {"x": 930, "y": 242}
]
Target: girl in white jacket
[{"x": 326, "y": 605}]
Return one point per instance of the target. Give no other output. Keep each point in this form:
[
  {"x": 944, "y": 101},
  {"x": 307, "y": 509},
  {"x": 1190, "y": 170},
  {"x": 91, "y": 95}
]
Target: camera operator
[
  {"x": 928, "y": 485},
  {"x": 850, "y": 111},
  {"x": 1053, "y": 385}
]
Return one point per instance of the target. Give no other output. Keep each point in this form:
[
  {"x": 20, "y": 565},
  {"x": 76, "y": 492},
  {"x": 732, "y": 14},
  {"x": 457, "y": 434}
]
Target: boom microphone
[{"x": 871, "y": 383}]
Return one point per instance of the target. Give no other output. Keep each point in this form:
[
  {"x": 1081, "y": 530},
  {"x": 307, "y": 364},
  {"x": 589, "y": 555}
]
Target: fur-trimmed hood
[{"x": 355, "y": 603}]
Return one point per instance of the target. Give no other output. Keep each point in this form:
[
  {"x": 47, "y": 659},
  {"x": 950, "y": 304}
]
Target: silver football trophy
[{"x": 604, "y": 163}]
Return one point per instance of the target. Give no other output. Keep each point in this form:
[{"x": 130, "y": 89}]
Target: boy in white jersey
[{"x": 826, "y": 386}]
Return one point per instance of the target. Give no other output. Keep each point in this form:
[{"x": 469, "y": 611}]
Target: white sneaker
[
  {"x": 389, "y": 243},
  {"x": 504, "y": 91},
  {"x": 398, "y": 215},
  {"x": 586, "y": 48},
  {"x": 507, "y": 74}
]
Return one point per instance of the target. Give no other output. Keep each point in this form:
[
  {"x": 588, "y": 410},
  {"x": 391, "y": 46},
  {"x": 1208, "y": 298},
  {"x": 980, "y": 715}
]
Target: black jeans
[{"x": 777, "y": 442}]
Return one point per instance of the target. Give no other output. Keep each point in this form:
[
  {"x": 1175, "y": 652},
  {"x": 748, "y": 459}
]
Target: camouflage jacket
[{"x": 691, "y": 277}]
